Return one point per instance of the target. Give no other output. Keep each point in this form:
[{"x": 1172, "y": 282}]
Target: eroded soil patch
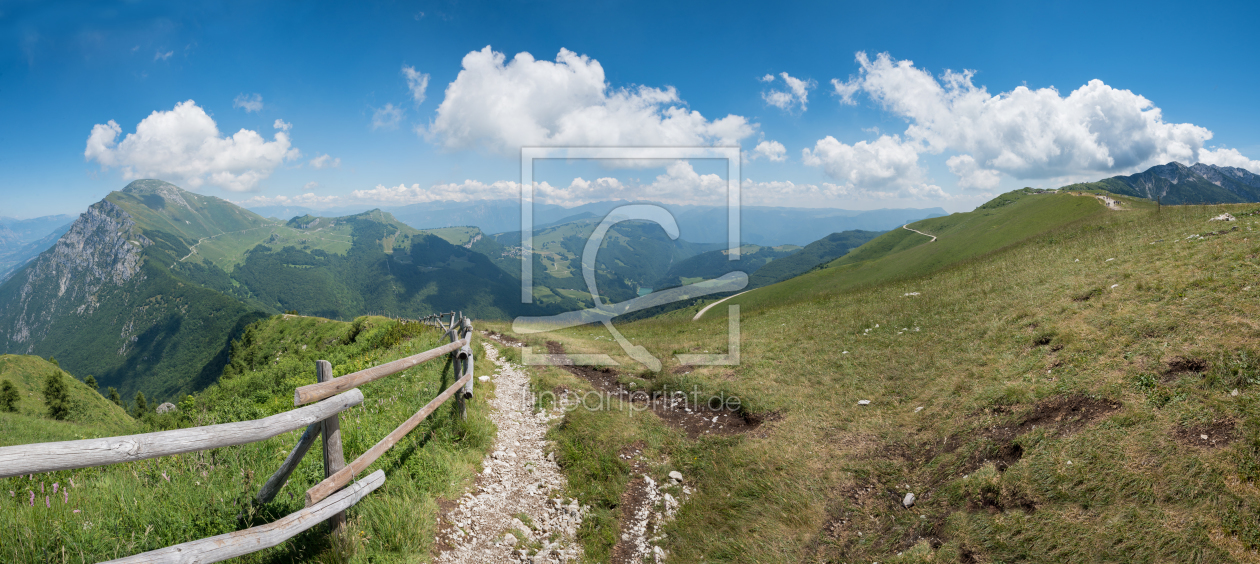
[
  {"x": 1179, "y": 365},
  {"x": 1217, "y": 434},
  {"x": 694, "y": 412}
]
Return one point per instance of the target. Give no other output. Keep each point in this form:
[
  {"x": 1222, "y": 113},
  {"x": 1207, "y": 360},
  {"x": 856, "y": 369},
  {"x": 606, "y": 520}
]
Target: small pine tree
[
  {"x": 56, "y": 396},
  {"x": 54, "y": 361},
  {"x": 91, "y": 383},
  {"x": 141, "y": 406},
  {"x": 114, "y": 397},
  {"x": 9, "y": 397}
]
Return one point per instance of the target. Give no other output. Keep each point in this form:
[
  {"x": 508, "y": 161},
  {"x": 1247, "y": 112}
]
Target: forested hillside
[{"x": 149, "y": 287}]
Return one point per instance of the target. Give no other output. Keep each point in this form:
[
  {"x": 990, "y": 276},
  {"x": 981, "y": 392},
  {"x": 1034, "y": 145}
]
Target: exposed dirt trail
[
  {"x": 706, "y": 308},
  {"x": 514, "y": 513},
  {"x": 907, "y": 228}
]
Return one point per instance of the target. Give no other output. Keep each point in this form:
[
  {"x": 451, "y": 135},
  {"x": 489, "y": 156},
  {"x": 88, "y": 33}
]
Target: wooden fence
[{"x": 325, "y": 501}]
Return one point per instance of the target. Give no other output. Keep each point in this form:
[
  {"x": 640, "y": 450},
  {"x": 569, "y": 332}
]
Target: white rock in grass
[
  {"x": 908, "y": 501},
  {"x": 676, "y": 476},
  {"x": 1234, "y": 392},
  {"x": 864, "y": 402},
  {"x": 484, "y": 378},
  {"x": 1114, "y": 286},
  {"x": 1223, "y": 217},
  {"x": 918, "y": 409},
  {"x": 509, "y": 539}
]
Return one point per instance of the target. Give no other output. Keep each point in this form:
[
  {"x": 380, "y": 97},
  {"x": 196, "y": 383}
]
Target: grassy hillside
[
  {"x": 900, "y": 253},
  {"x": 714, "y": 264},
  {"x": 1069, "y": 384},
  {"x": 114, "y": 511},
  {"x": 812, "y": 255},
  {"x": 89, "y": 411}
]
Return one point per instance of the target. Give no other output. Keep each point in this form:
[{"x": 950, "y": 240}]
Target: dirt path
[
  {"x": 706, "y": 308},
  {"x": 907, "y": 228},
  {"x": 193, "y": 249},
  {"x": 1111, "y": 203},
  {"x": 514, "y": 513}
]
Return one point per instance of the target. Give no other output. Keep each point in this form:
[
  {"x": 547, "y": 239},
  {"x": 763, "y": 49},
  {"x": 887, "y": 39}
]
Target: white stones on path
[{"x": 519, "y": 478}]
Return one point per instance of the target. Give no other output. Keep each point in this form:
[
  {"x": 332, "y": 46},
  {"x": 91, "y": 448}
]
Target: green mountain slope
[
  {"x": 389, "y": 267},
  {"x": 819, "y": 252},
  {"x": 633, "y": 257},
  {"x": 714, "y": 264},
  {"x": 900, "y": 253},
  {"x": 105, "y": 301},
  {"x": 89, "y": 410},
  {"x": 1074, "y": 385},
  {"x": 148, "y": 288}
]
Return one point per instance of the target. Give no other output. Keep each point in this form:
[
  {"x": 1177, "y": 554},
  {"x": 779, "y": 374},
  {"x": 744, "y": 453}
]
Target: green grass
[
  {"x": 455, "y": 235},
  {"x": 998, "y": 328},
  {"x": 135, "y": 507},
  {"x": 89, "y": 410}
]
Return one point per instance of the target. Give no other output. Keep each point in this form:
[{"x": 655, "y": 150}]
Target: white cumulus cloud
[
  {"x": 249, "y": 103},
  {"x": 772, "y": 150},
  {"x": 504, "y": 105},
  {"x": 417, "y": 82},
  {"x": 1228, "y": 157},
  {"x": 282, "y": 125},
  {"x": 308, "y": 199},
  {"x": 971, "y": 175},
  {"x": 184, "y": 145},
  {"x": 325, "y": 161},
  {"x": 1094, "y": 130},
  {"x": 887, "y": 161},
  {"x": 387, "y": 117},
  {"x": 827, "y": 194},
  {"x": 467, "y": 190},
  {"x": 796, "y": 94}
]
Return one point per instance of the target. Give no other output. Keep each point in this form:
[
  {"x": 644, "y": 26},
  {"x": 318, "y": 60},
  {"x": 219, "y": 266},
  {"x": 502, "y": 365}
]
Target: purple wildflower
[
  {"x": 32, "y": 499},
  {"x": 47, "y": 501},
  {"x": 76, "y": 510},
  {"x": 41, "y": 487},
  {"x": 55, "y": 484},
  {"x": 67, "y": 494}
]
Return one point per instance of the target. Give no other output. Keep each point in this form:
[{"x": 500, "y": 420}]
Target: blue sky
[{"x": 950, "y": 106}]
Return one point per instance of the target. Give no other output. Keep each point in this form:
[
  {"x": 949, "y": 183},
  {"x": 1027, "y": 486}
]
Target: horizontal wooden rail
[
  {"x": 342, "y": 477},
  {"x": 68, "y": 455},
  {"x": 321, "y": 390},
  {"x": 239, "y": 543}
]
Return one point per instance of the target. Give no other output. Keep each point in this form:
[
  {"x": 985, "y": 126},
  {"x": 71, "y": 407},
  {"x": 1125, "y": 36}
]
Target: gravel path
[{"x": 514, "y": 513}]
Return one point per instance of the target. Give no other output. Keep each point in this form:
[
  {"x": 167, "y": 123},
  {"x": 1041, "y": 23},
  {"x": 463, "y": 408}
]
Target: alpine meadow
[{"x": 629, "y": 283}]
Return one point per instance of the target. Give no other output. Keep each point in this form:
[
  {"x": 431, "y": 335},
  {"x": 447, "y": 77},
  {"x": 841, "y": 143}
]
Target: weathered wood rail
[{"x": 327, "y": 501}]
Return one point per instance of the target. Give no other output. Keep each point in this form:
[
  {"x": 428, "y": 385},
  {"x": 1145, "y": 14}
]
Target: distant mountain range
[
  {"x": 23, "y": 239},
  {"x": 1178, "y": 184},
  {"x": 764, "y": 226}
]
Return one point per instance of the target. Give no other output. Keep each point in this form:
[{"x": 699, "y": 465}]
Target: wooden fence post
[
  {"x": 467, "y": 350},
  {"x": 334, "y": 459}
]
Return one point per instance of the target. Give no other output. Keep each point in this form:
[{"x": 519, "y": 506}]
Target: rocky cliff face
[{"x": 102, "y": 249}]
